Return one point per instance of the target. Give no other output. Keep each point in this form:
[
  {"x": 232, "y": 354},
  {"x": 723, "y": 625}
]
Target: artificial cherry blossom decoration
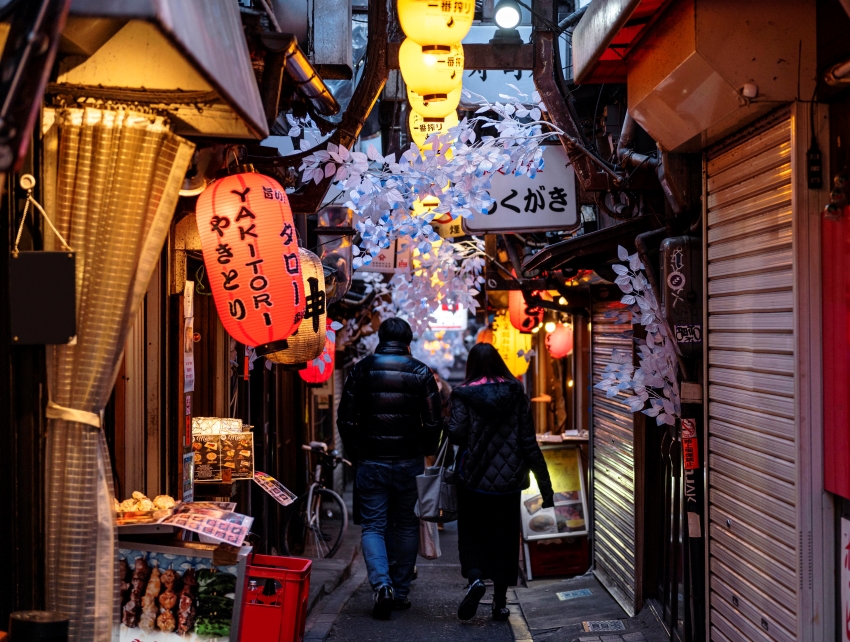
[
  {"x": 655, "y": 380},
  {"x": 382, "y": 189}
]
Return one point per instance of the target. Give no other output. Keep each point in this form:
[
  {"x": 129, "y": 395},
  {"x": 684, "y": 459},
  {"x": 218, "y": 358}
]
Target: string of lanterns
[
  {"x": 431, "y": 63},
  {"x": 251, "y": 256}
]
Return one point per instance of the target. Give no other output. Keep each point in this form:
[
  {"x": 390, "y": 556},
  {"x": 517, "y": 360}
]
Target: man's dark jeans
[{"x": 387, "y": 497}]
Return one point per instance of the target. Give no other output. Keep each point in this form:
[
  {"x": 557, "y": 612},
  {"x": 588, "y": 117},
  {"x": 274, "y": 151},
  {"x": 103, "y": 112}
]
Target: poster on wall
[
  {"x": 569, "y": 516},
  {"x": 172, "y": 593},
  {"x": 188, "y": 477},
  {"x": 189, "y": 337}
]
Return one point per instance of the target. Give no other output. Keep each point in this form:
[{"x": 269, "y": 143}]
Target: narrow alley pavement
[{"x": 538, "y": 612}]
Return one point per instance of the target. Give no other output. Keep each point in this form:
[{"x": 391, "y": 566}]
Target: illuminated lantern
[
  {"x": 432, "y": 71},
  {"x": 509, "y": 342},
  {"x": 422, "y": 127},
  {"x": 559, "y": 342},
  {"x": 422, "y": 206},
  {"x": 251, "y": 256},
  {"x": 524, "y": 317},
  {"x": 308, "y": 341},
  {"x": 436, "y": 23},
  {"x": 321, "y": 368},
  {"x": 434, "y": 108},
  {"x": 485, "y": 335}
]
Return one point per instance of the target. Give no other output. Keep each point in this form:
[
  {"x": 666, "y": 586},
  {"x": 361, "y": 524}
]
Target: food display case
[{"x": 180, "y": 592}]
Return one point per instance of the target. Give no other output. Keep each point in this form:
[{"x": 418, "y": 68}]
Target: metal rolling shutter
[
  {"x": 613, "y": 466},
  {"x": 752, "y": 467}
]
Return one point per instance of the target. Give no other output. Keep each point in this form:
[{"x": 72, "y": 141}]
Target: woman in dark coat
[{"x": 492, "y": 426}]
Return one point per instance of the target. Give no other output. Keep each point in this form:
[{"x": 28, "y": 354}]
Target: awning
[
  {"x": 594, "y": 251},
  {"x": 606, "y": 34},
  {"x": 189, "y": 56}
]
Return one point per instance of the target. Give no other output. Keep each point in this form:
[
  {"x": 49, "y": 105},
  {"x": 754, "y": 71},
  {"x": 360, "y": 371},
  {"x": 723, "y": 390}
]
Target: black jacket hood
[{"x": 491, "y": 399}]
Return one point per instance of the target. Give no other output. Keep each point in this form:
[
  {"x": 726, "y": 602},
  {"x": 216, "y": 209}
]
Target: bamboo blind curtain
[{"x": 112, "y": 183}]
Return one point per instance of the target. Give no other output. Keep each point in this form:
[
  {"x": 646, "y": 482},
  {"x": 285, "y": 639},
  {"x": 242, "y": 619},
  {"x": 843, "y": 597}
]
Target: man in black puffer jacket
[{"x": 389, "y": 418}]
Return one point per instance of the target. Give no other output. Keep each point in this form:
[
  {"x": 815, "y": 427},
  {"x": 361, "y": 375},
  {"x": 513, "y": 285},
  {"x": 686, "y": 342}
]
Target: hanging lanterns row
[
  {"x": 431, "y": 61},
  {"x": 251, "y": 256},
  {"x": 269, "y": 293}
]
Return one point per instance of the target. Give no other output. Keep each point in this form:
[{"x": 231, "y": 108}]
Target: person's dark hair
[
  {"x": 395, "y": 329},
  {"x": 485, "y": 362}
]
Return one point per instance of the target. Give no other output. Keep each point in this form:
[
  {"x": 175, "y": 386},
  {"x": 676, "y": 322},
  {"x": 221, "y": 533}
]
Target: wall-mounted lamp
[{"x": 507, "y": 15}]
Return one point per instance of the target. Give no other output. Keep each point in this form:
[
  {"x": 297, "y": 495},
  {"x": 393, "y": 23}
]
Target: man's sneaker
[
  {"x": 383, "y": 603},
  {"x": 469, "y": 604},
  {"x": 401, "y": 604},
  {"x": 501, "y": 614}
]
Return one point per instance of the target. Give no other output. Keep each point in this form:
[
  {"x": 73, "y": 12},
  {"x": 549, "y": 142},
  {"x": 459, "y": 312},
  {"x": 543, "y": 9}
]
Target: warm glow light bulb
[
  {"x": 507, "y": 14},
  {"x": 535, "y": 329},
  {"x": 570, "y": 383},
  {"x": 550, "y": 326},
  {"x": 562, "y": 301}
]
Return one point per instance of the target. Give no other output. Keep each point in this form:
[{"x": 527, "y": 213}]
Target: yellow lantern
[
  {"x": 421, "y": 127},
  {"x": 432, "y": 71},
  {"x": 509, "y": 341},
  {"x": 308, "y": 342},
  {"x": 436, "y": 22},
  {"x": 434, "y": 108}
]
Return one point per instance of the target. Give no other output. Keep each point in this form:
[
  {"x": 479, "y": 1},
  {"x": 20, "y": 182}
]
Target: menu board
[
  {"x": 206, "y": 451},
  {"x": 569, "y": 516},
  {"x": 237, "y": 453}
]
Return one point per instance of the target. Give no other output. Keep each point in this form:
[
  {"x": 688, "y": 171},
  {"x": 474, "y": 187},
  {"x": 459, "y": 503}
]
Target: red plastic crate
[
  {"x": 280, "y": 617},
  {"x": 559, "y": 557}
]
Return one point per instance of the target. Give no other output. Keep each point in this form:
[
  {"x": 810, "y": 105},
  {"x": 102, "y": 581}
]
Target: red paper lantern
[
  {"x": 523, "y": 316},
  {"x": 559, "y": 342},
  {"x": 321, "y": 368},
  {"x": 251, "y": 256}
]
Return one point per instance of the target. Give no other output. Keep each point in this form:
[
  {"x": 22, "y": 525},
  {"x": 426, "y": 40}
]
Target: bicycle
[{"x": 317, "y": 522}]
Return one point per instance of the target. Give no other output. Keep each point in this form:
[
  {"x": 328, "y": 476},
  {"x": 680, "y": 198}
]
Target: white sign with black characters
[{"x": 523, "y": 204}]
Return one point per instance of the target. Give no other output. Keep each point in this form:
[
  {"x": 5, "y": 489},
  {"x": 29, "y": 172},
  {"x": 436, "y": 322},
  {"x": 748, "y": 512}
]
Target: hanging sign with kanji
[
  {"x": 690, "y": 449},
  {"x": 395, "y": 258},
  {"x": 523, "y": 204},
  {"x": 251, "y": 257}
]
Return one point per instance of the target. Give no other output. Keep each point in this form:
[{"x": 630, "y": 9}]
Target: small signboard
[
  {"x": 396, "y": 258},
  {"x": 569, "y": 516},
  {"x": 523, "y": 204},
  {"x": 449, "y": 317}
]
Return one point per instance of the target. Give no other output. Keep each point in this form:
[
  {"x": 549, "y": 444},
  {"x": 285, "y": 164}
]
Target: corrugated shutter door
[
  {"x": 613, "y": 466},
  {"x": 752, "y": 497}
]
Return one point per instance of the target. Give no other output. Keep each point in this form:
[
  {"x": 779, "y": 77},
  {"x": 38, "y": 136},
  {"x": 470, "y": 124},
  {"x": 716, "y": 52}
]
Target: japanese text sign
[
  {"x": 545, "y": 202},
  {"x": 251, "y": 257},
  {"x": 690, "y": 449}
]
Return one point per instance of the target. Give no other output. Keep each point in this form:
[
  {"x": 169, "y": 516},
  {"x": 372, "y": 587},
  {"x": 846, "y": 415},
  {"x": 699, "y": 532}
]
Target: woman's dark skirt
[{"x": 488, "y": 528}]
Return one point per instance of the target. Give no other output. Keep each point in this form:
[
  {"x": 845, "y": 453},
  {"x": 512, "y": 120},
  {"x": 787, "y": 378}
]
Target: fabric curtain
[{"x": 113, "y": 178}]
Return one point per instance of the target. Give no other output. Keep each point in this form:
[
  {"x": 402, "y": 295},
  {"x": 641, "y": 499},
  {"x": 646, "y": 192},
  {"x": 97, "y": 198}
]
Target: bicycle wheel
[{"x": 317, "y": 532}]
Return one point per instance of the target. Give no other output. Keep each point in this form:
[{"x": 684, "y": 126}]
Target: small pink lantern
[
  {"x": 559, "y": 342},
  {"x": 321, "y": 368}
]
